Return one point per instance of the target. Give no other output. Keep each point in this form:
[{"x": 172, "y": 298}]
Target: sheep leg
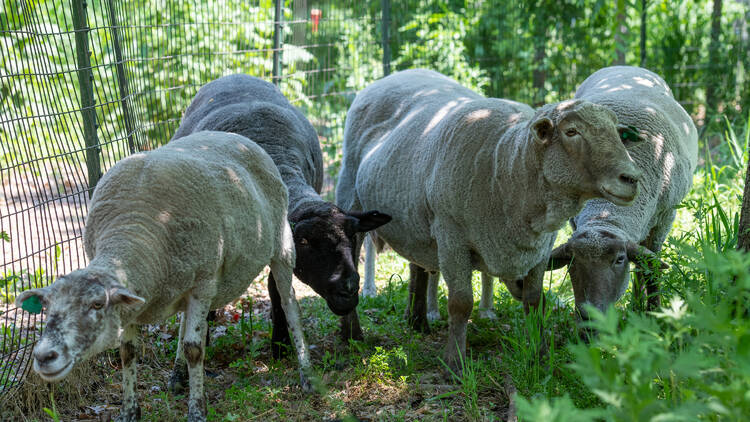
[
  {"x": 179, "y": 378},
  {"x": 532, "y": 287},
  {"x": 433, "y": 310},
  {"x": 350, "y": 328},
  {"x": 486, "y": 303},
  {"x": 280, "y": 340},
  {"x": 130, "y": 410},
  {"x": 416, "y": 307},
  {"x": 368, "y": 289},
  {"x": 193, "y": 347},
  {"x": 654, "y": 242},
  {"x": 515, "y": 288},
  {"x": 455, "y": 265},
  {"x": 282, "y": 273}
]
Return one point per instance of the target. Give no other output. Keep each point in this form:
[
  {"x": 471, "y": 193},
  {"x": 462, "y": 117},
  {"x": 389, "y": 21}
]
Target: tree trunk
[
  {"x": 743, "y": 235},
  {"x": 621, "y": 31},
  {"x": 714, "y": 74}
]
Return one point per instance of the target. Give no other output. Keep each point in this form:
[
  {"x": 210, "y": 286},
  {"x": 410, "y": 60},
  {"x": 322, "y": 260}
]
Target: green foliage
[
  {"x": 432, "y": 34},
  {"x": 52, "y": 413},
  {"x": 691, "y": 359}
]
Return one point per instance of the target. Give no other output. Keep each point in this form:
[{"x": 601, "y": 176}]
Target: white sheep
[
  {"x": 474, "y": 182},
  {"x": 663, "y": 143},
  {"x": 185, "y": 227}
]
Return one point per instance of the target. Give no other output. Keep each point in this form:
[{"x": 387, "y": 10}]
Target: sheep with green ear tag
[
  {"x": 662, "y": 140},
  {"x": 185, "y": 227}
]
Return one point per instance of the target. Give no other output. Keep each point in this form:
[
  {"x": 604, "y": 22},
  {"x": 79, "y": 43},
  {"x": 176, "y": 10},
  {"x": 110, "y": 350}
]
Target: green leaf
[
  {"x": 32, "y": 305},
  {"x": 5, "y": 236}
]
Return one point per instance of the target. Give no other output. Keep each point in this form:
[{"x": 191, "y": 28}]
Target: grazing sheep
[
  {"x": 185, "y": 227},
  {"x": 324, "y": 234},
  {"x": 663, "y": 143},
  {"x": 475, "y": 182}
]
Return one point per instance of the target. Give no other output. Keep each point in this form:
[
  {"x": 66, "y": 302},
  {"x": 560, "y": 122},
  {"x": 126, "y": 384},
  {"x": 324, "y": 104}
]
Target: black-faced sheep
[
  {"x": 185, "y": 227},
  {"x": 475, "y": 182},
  {"x": 324, "y": 234},
  {"x": 663, "y": 143}
]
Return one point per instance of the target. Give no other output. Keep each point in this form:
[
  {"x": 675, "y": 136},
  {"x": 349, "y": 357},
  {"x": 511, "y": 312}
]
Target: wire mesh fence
[{"x": 85, "y": 83}]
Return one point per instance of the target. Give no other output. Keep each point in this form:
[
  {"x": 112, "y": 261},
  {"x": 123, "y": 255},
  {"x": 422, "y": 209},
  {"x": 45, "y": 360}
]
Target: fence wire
[{"x": 85, "y": 83}]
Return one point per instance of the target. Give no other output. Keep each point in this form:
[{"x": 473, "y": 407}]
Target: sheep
[
  {"x": 474, "y": 182},
  {"x": 323, "y": 233},
  {"x": 185, "y": 227},
  {"x": 663, "y": 142}
]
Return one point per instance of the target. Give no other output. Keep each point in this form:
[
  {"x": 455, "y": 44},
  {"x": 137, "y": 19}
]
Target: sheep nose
[
  {"x": 629, "y": 178},
  {"x": 352, "y": 285},
  {"x": 46, "y": 357}
]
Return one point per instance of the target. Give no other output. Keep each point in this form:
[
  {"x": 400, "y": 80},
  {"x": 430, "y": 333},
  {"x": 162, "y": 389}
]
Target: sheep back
[
  {"x": 411, "y": 146},
  {"x": 208, "y": 207},
  {"x": 667, "y": 156},
  {"x": 254, "y": 108}
]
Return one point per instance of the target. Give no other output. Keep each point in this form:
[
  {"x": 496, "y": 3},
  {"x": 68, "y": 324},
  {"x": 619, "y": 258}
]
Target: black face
[{"x": 325, "y": 239}]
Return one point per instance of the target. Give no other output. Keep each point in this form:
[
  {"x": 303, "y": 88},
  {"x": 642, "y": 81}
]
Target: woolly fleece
[{"x": 467, "y": 184}]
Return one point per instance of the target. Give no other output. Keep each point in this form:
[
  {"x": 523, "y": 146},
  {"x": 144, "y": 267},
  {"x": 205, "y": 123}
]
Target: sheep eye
[
  {"x": 303, "y": 241},
  {"x": 97, "y": 305},
  {"x": 571, "y": 132}
]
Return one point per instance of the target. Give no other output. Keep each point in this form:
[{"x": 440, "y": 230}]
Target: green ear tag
[{"x": 32, "y": 305}]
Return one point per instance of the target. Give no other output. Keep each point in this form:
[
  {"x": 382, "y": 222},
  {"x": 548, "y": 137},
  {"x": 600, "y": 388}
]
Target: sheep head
[
  {"x": 325, "y": 242},
  {"x": 599, "y": 266},
  {"x": 83, "y": 318},
  {"x": 583, "y": 151}
]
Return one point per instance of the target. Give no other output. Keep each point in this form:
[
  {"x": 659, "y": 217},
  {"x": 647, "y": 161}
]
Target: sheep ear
[
  {"x": 542, "y": 130},
  {"x": 371, "y": 220},
  {"x": 121, "y": 295},
  {"x": 637, "y": 252},
  {"x": 560, "y": 257},
  {"x": 32, "y": 300}
]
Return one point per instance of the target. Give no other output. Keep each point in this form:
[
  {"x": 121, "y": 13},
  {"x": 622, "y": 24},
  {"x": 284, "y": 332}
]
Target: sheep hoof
[
  {"x": 419, "y": 323},
  {"x": 132, "y": 414},
  {"x": 196, "y": 416},
  {"x": 304, "y": 382},
  {"x": 178, "y": 381},
  {"x": 354, "y": 333},
  {"x": 453, "y": 372},
  {"x": 369, "y": 291},
  {"x": 281, "y": 346},
  {"x": 487, "y": 314},
  {"x": 433, "y": 316}
]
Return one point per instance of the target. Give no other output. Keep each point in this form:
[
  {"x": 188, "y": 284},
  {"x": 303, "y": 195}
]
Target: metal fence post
[
  {"x": 121, "y": 77},
  {"x": 643, "y": 33},
  {"x": 385, "y": 28},
  {"x": 277, "y": 42},
  {"x": 86, "y": 87}
]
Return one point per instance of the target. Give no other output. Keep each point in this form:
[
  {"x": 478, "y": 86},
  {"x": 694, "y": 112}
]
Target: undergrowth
[{"x": 689, "y": 360}]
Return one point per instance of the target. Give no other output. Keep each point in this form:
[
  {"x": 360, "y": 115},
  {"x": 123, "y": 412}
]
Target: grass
[{"x": 688, "y": 359}]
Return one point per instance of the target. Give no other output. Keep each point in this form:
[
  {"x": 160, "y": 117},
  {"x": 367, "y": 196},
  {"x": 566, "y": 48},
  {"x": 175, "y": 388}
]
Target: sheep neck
[
  {"x": 301, "y": 194},
  {"x": 518, "y": 168},
  {"x": 135, "y": 257}
]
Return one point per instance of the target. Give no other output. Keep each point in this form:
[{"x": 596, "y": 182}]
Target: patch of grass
[{"x": 685, "y": 360}]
